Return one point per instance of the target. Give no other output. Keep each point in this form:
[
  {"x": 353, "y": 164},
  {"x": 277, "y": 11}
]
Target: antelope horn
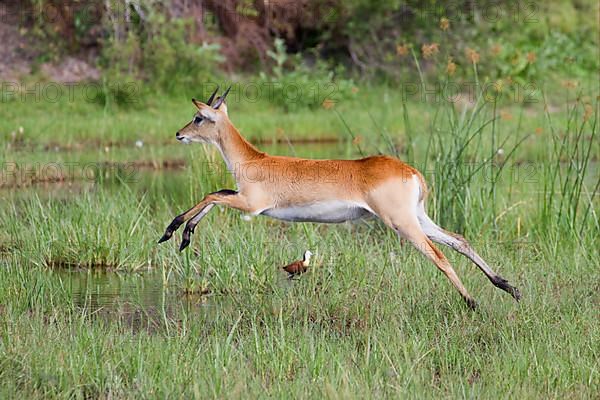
[
  {"x": 212, "y": 96},
  {"x": 221, "y": 99}
]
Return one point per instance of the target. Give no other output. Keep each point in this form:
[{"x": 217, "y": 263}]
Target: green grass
[
  {"x": 372, "y": 318},
  {"x": 371, "y": 112},
  {"x": 356, "y": 326}
]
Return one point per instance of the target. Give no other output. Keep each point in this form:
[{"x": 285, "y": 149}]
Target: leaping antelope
[{"x": 327, "y": 191}]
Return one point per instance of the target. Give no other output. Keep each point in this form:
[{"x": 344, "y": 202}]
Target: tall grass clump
[
  {"x": 465, "y": 156},
  {"x": 472, "y": 161},
  {"x": 569, "y": 202},
  {"x": 96, "y": 230}
]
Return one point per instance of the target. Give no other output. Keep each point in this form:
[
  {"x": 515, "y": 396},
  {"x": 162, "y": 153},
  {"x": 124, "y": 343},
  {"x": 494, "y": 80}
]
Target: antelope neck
[{"x": 235, "y": 149}]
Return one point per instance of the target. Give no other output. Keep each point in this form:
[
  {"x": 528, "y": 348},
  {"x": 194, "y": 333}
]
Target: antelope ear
[
  {"x": 206, "y": 111},
  {"x": 198, "y": 103},
  {"x": 223, "y": 107}
]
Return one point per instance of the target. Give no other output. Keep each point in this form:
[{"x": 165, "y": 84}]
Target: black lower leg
[
  {"x": 173, "y": 226},
  {"x": 471, "y": 303},
  {"x": 187, "y": 233},
  {"x": 503, "y": 284}
]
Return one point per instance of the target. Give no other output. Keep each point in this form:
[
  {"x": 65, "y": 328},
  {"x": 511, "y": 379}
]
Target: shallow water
[
  {"x": 137, "y": 301},
  {"x": 156, "y": 167},
  {"x": 147, "y": 301}
]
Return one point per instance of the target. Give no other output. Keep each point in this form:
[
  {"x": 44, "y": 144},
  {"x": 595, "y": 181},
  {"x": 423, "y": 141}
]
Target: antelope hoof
[
  {"x": 184, "y": 243},
  {"x": 185, "y": 240},
  {"x": 173, "y": 226},
  {"x": 471, "y": 303},
  {"x": 514, "y": 292},
  {"x": 503, "y": 284},
  {"x": 165, "y": 237}
]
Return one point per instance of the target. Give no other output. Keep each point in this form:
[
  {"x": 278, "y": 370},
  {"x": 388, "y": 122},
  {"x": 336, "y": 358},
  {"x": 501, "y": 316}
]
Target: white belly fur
[{"x": 334, "y": 211}]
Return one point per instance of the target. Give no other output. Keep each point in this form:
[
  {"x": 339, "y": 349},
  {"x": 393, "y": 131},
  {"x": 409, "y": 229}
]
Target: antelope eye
[{"x": 197, "y": 120}]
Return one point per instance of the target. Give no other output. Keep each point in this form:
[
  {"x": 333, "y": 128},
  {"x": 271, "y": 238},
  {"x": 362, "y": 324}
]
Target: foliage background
[{"x": 174, "y": 45}]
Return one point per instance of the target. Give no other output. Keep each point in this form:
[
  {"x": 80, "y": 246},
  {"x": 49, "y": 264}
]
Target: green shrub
[
  {"x": 295, "y": 85},
  {"x": 156, "y": 54},
  {"x": 171, "y": 62}
]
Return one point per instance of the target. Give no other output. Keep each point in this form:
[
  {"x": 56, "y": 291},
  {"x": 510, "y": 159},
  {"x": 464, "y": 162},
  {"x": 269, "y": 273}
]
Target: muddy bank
[{"x": 24, "y": 175}]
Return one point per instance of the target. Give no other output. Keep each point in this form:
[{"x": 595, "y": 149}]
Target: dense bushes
[
  {"x": 293, "y": 84},
  {"x": 164, "y": 43},
  {"x": 160, "y": 54}
]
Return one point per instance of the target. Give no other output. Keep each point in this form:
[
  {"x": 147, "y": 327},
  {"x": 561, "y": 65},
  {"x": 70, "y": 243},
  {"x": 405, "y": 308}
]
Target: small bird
[{"x": 298, "y": 267}]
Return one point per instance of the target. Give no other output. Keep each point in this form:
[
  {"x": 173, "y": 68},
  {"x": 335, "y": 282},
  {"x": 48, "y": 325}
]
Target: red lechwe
[{"x": 330, "y": 191}]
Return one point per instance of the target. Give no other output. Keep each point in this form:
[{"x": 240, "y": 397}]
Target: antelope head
[{"x": 208, "y": 121}]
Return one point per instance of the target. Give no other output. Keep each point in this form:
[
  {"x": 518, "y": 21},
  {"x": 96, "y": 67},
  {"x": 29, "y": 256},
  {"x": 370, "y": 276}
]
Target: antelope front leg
[
  {"x": 205, "y": 205},
  {"x": 229, "y": 198},
  {"x": 189, "y": 227}
]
